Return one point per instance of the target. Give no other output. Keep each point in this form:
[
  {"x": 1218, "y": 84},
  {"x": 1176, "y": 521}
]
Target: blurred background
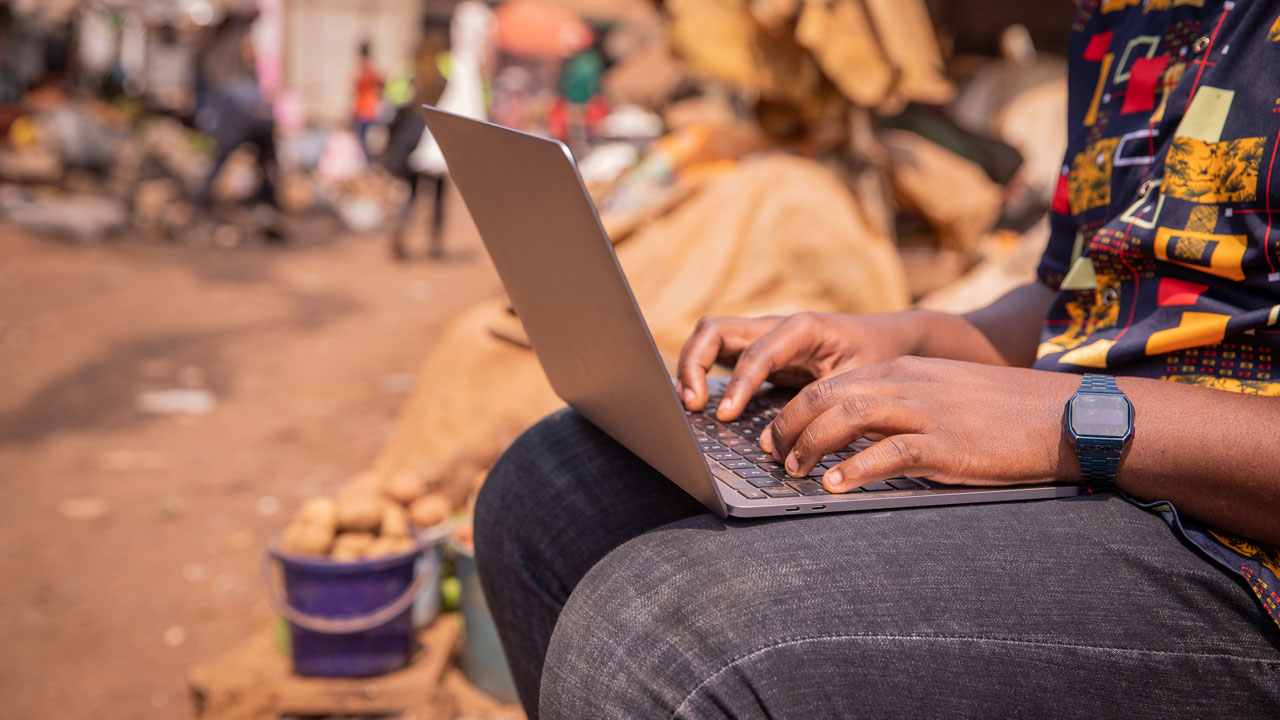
[{"x": 241, "y": 303}]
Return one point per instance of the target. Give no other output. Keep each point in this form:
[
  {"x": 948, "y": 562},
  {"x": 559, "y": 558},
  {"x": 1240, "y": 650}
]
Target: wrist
[
  {"x": 946, "y": 335},
  {"x": 1098, "y": 421}
]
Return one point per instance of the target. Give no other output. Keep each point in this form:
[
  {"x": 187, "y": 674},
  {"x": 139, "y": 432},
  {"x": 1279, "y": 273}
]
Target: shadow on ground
[{"x": 100, "y": 393}]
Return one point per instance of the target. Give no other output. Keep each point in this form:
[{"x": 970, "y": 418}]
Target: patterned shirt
[{"x": 1165, "y": 248}]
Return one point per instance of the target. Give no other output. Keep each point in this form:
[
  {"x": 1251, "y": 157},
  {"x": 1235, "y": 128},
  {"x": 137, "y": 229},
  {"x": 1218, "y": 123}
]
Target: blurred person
[
  {"x": 579, "y": 110},
  {"x": 368, "y": 98},
  {"x": 404, "y": 132},
  {"x": 470, "y": 35},
  {"x": 233, "y": 111}
]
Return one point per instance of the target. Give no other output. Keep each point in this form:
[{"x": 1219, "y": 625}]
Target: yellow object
[
  {"x": 1093, "y": 355},
  {"x": 1091, "y": 116},
  {"x": 1220, "y": 255},
  {"x": 1244, "y": 387},
  {"x": 1196, "y": 329},
  {"x": 1110, "y": 6},
  {"x": 1093, "y": 312},
  {"x": 1213, "y": 172},
  {"x": 1090, "y": 178},
  {"x": 23, "y": 133}
]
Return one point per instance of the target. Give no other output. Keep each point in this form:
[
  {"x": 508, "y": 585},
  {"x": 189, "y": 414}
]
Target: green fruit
[
  {"x": 450, "y": 593},
  {"x": 283, "y": 644}
]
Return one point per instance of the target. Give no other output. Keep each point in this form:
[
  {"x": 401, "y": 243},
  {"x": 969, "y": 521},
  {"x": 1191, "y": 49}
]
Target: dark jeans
[
  {"x": 260, "y": 134},
  {"x": 362, "y": 134},
  {"x": 435, "y": 246},
  {"x": 1088, "y": 607}
]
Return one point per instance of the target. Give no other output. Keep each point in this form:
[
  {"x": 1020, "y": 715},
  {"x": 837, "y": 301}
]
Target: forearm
[
  {"x": 1006, "y": 332},
  {"x": 1211, "y": 453},
  {"x": 1012, "y": 324}
]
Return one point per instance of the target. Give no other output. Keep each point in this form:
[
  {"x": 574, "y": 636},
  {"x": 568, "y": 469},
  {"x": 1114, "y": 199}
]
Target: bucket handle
[{"x": 338, "y": 626}]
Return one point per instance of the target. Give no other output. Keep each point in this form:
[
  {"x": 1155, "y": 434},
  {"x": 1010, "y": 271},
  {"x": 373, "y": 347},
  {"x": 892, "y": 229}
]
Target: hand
[
  {"x": 792, "y": 351},
  {"x": 951, "y": 422}
]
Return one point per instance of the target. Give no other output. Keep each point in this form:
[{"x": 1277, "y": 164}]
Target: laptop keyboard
[{"x": 753, "y": 473}]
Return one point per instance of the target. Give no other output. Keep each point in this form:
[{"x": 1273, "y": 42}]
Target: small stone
[
  {"x": 131, "y": 460},
  {"x": 398, "y": 383},
  {"x": 238, "y": 540},
  {"x": 419, "y": 291},
  {"x": 195, "y": 573},
  {"x": 268, "y": 505},
  {"x": 16, "y": 337},
  {"x": 83, "y": 508},
  {"x": 177, "y": 401},
  {"x": 226, "y": 237},
  {"x": 191, "y": 376},
  {"x": 225, "y": 583},
  {"x": 175, "y": 636}
]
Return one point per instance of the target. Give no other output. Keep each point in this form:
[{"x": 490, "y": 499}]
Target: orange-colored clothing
[{"x": 368, "y": 93}]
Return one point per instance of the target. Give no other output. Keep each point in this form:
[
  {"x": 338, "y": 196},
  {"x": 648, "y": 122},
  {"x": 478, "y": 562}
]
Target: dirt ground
[{"x": 130, "y": 541}]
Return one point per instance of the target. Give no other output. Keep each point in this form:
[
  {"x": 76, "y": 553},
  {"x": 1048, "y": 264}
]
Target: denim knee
[
  {"x": 522, "y": 480},
  {"x": 624, "y": 645}
]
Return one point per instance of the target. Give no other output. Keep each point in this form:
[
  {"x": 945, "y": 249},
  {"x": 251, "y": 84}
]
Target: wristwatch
[{"x": 1099, "y": 421}]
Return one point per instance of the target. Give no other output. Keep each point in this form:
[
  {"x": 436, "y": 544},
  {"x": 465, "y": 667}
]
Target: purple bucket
[{"x": 349, "y": 619}]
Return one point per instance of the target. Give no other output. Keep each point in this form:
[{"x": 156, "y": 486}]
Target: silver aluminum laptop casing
[{"x": 560, "y": 270}]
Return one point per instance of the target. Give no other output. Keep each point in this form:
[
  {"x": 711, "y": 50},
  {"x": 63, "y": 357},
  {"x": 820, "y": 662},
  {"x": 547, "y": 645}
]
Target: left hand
[{"x": 951, "y": 422}]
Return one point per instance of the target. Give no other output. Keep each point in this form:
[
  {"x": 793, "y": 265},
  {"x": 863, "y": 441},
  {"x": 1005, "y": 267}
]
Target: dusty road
[{"x": 130, "y": 540}]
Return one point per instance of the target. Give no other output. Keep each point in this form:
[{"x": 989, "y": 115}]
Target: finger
[
  {"x": 906, "y": 454},
  {"x": 714, "y": 339},
  {"x": 696, "y": 357},
  {"x": 755, "y": 364},
  {"x": 845, "y": 422},
  {"x": 816, "y": 398}
]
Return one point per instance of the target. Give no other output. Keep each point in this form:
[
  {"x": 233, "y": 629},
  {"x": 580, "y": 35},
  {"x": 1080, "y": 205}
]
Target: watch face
[{"x": 1104, "y": 416}]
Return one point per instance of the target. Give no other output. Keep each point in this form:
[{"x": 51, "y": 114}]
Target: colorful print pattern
[
  {"x": 1220, "y": 172},
  {"x": 1166, "y": 224}
]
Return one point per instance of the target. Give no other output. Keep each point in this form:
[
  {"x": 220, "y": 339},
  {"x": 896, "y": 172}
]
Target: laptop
[{"x": 563, "y": 278}]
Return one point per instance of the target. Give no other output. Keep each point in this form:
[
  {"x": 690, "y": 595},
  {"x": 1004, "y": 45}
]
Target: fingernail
[
  {"x": 725, "y": 408},
  {"x": 834, "y": 478},
  {"x": 766, "y": 440},
  {"x": 687, "y": 395},
  {"x": 793, "y": 464}
]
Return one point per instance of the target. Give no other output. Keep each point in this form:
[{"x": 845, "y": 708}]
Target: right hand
[{"x": 791, "y": 351}]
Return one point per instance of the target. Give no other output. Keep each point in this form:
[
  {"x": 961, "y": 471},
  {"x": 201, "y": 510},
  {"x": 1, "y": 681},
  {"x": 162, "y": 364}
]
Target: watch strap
[
  {"x": 1098, "y": 469},
  {"x": 1098, "y": 464},
  {"x": 1099, "y": 384}
]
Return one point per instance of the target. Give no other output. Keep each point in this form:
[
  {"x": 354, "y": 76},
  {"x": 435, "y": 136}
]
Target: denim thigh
[{"x": 1088, "y": 607}]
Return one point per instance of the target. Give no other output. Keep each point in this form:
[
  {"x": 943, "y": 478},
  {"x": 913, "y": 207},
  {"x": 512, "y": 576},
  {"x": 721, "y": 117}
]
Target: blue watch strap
[
  {"x": 1099, "y": 383},
  {"x": 1098, "y": 467}
]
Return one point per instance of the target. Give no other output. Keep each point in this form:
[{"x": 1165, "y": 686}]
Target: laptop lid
[{"x": 562, "y": 275}]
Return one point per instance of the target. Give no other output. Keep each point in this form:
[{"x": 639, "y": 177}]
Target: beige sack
[
  {"x": 953, "y": 193},
  {"x": 720, "y": 39},
  {"x": 1010, "y": 262}
]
